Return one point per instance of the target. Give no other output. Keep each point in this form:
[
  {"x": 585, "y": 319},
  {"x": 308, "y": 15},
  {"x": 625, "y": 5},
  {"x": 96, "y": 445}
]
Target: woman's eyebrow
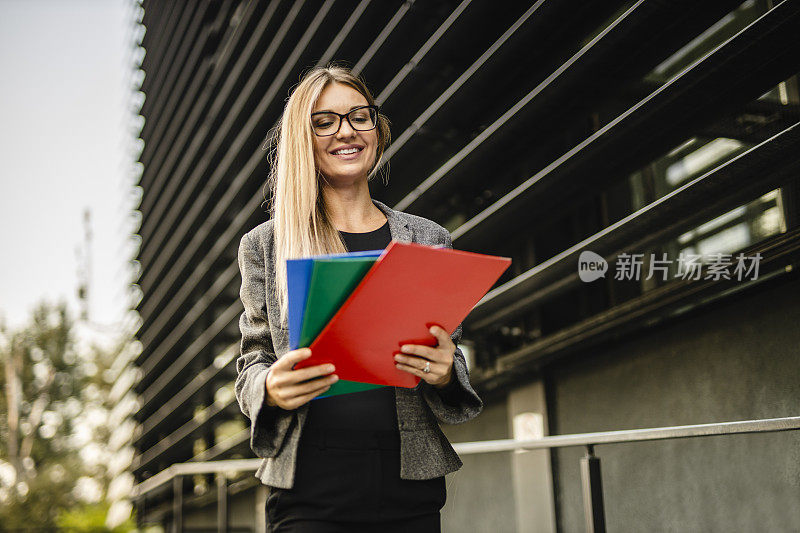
[{"x": 330, "y": 111}]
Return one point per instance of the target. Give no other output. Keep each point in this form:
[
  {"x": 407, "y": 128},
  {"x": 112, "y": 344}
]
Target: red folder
[{"x": 410, "y": 287}]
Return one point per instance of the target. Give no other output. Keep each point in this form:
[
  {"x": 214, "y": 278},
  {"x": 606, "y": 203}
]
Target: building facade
[{"x": 638, "y": 162}]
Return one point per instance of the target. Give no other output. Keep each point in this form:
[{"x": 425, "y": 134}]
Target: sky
[{"x": 65, "y": 146}]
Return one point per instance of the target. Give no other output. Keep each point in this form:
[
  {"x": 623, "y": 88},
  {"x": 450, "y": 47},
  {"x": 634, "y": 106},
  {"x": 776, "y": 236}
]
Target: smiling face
[{"x": 334, "y": 155}]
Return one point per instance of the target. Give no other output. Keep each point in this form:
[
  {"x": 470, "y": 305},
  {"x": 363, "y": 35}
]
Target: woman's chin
[{"x": 345, "y": 176}]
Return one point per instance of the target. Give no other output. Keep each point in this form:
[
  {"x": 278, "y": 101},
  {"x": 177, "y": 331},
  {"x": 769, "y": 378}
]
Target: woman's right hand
[{"x": 288, "y": 388}]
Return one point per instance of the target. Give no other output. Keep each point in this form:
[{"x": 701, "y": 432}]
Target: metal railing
[{"x": 591, "y": 480}]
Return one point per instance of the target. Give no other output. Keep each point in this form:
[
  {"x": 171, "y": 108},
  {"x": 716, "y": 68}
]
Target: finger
[
  {"x": 443, "y": 338},
  {"x": 420, "y": 363},
  {"x": 308, "y": 387},
  {"x": 300, "y": 400},
  {"x": 427, "y": 376},
  {"x": 289, "y": 359},
  {"x": 440, "y": 333},
  {"x": 419, "y": 350},
  {"x": 415, "y": 361},
  {"x": 310, "y": 372}
]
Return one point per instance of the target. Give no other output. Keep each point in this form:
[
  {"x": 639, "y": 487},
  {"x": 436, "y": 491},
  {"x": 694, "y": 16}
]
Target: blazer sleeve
[
  {"x": 458, "y": 402},
  {"x": 268, "y": 424}
]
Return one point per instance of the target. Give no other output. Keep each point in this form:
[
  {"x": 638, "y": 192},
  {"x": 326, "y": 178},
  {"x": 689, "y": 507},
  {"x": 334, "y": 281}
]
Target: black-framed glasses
[{"x": 327, "y": 123}]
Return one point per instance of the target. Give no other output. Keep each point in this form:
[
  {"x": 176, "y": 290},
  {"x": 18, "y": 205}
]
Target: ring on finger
[{"x": 427, "y": 368}]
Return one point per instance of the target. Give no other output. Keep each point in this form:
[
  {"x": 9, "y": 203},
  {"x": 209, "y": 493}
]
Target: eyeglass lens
[{"x": 361, "y": 119}]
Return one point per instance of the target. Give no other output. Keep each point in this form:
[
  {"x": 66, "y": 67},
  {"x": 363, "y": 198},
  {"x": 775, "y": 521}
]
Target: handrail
[
  {"x": 631, "y": 435},
  {"x": 183, "y": 469},
  {"x": 503, "y": 445}
]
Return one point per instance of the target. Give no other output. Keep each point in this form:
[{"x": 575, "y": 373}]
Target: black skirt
[{"x": 349, "y": 480}]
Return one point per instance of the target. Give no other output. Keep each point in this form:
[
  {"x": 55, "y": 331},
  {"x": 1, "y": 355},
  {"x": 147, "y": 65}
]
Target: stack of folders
[{"x": 356, "y": 310}]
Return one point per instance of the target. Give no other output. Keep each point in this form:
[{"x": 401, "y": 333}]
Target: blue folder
[{"x": 298, "y": 276}]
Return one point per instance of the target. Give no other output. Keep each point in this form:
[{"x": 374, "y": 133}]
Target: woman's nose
[{"x": 345, "y": 130}]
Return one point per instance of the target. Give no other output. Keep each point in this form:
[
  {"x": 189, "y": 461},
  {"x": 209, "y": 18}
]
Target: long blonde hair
[{"x": 301, "y": 223}]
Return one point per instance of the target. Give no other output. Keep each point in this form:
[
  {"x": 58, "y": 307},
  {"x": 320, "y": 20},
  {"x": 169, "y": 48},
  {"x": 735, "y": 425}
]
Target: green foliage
[
  {"x": 50, "y": 384},
  {"x": 88, "y": 518}
]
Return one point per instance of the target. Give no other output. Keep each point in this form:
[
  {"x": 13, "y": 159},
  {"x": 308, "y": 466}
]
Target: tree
[{"x": 52, "y": 422}]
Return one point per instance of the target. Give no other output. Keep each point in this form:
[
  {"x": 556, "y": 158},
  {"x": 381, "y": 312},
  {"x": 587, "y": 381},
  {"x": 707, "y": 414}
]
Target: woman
[{"x": 368, "y": 461}]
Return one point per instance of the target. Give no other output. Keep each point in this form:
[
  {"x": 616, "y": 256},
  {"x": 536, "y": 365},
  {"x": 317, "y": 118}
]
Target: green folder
[{"x": 332, "y": 281}]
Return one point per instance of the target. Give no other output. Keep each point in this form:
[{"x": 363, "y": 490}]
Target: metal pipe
[
  {"x": 505, "y": 445},
  {"x": 222, "y": 502},
  {"x": 177, "y": 504},
  {"x": 634, "y": 435},
  {"x": 592, "y": 488}
]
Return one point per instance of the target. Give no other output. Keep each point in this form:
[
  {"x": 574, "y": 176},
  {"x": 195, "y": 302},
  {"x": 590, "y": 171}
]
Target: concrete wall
[
  {"x": 531, "y": 469},
  {"x": 738, "y": 360},
  {"x": 480, "y": 496}
]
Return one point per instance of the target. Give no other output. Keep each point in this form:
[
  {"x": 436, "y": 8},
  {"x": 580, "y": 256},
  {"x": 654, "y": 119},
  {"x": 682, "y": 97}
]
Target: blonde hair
[{"x": 301, "y": 224}]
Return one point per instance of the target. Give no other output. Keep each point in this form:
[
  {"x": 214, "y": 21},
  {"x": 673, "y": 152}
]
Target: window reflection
[
  {"x": 702, "y": 158},
  {"x": 736, "y": 229},
  {"x": 718, "y": 33}
]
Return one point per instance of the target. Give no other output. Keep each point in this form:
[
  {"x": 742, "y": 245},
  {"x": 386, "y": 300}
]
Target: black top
[{"x": 372, "y": 409}]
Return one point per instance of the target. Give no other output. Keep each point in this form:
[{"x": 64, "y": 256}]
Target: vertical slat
[
  {"x": 592, "y": 486},
  {"x": 177, "y": 504},
  {"x": 261, "y": 509},
  {"x": 222, "y": 503}
]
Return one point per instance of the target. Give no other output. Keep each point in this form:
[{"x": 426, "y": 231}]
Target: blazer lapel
[{"x": 398, "y": 226}]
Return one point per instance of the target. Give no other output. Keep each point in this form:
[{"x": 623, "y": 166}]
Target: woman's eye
[
  {"x": 360, "y": 117},
  {"x": 326, "y": 124}
]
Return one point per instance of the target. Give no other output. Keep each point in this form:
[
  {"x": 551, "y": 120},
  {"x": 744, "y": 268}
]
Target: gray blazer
[{"x": 425, "y": 452}]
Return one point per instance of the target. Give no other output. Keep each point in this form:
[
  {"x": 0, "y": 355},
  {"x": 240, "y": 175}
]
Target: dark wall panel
[{"x": 736, "y": 361}]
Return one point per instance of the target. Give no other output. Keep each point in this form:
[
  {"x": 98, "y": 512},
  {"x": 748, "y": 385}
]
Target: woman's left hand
[{"x": 415, "y": 357}]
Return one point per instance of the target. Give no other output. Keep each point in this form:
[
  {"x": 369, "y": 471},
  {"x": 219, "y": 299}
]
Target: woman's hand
[
  {"x": 415, "y": 357},
  {"x": 288, "y": 388}
]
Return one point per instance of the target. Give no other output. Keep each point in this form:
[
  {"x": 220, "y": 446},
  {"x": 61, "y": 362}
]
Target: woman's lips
[{"x": 347, "y": 156}]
